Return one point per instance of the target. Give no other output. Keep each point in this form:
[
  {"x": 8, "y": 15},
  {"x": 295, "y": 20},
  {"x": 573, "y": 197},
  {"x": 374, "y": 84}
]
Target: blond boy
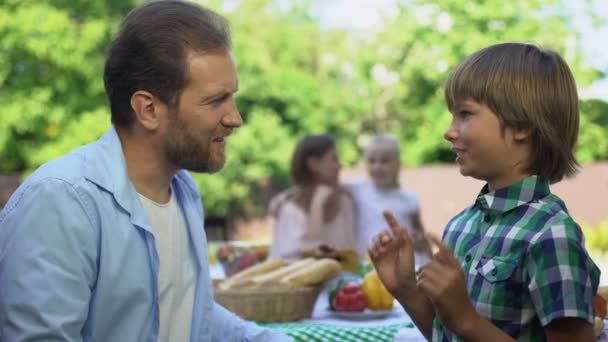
[
  {"x": 512, "y": 266},
  {"x": 383, "y": 192}
]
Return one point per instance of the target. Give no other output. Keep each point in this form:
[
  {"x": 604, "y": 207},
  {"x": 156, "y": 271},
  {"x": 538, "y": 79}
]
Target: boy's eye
[{"x": 464, "y": 113}]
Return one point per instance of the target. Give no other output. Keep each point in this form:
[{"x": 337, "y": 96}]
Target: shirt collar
[
  {"x": 106, "y": 166},
  {"x": 503, "y": 200}
]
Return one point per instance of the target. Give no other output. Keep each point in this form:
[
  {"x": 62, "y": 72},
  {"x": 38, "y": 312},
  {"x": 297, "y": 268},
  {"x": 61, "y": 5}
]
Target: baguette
[
  {"x": 314, "y": 273},
  {"x": 244, "y": 277},
  {"x": 278, "y": 274}
]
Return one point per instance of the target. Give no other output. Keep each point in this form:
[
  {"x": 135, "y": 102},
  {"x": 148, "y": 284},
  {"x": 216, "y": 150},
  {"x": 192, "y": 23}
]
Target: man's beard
[{"x": 186, "y": 150}]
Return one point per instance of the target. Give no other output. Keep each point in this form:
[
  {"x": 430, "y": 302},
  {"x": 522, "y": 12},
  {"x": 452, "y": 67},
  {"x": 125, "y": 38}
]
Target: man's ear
[{"x": 146, "y": 109}]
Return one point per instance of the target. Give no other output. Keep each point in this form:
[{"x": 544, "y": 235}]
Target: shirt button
[
  {"x": 486, "y": 218},
  {"x": 467, "y": 258},
  {"x": 494, "y": 272}
]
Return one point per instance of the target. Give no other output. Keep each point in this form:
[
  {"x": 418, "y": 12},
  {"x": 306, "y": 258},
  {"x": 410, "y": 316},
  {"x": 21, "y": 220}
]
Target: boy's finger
[
  {"x": 390, "y": 219},
  {"x": 385, "y": 238},
  {"x": 445, "y": 252},
  {"x": 438, "y": 243},
  {"x": 395, "y": 227}
]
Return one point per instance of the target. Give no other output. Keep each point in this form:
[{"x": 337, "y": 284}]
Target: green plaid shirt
[{"x": 524, "y": 260}]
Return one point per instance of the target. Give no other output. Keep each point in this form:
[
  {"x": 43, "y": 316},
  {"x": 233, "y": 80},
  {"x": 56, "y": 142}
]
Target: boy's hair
[
  {"x": 528, "y": 88},
  {"x": 385, "y": 139},
  {"x": 310, "y": 146},
  {"x": 149, "y": 53}
]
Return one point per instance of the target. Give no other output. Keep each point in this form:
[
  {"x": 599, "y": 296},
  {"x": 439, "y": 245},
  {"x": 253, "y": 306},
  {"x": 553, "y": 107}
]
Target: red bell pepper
[{"x": 348, "y": 297}]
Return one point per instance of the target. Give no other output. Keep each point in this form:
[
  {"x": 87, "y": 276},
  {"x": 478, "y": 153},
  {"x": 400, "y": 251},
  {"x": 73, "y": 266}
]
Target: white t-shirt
[
  {"x": 177, "y": 273},
  {"x": 371, "y": 203}
]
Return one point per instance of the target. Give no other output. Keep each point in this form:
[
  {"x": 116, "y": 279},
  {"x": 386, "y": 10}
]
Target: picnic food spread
[
  {"x": 277, "y": 272},
  {"x": 276, "y": 290}
]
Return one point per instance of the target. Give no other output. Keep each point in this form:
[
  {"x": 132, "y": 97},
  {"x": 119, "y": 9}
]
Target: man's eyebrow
[{"x": 217, "y": 95}]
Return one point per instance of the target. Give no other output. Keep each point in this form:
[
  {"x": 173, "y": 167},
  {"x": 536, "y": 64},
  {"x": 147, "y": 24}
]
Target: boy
[
  {"x": 513, "y": 266},
  {"x": 382, "y": 159}
]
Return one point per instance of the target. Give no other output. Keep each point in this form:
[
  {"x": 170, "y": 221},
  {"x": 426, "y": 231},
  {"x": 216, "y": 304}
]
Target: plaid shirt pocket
[
  {"x": 495, "y": 268},
  {"x": 498, "y": 287}
]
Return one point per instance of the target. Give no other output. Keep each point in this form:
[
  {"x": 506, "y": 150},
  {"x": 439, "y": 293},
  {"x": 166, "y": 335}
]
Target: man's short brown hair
[
  {"x": 528, "y": 88},
  {"x": 149, "y": 52}
]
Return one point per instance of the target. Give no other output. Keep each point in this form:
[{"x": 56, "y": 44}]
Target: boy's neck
[{"x": 505, "y": 183}]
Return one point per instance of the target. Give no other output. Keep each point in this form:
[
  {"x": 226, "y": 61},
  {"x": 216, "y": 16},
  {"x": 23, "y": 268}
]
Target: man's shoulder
[
  {"x": 66, "y": 173},
  {"x": 69, "y": 167}
]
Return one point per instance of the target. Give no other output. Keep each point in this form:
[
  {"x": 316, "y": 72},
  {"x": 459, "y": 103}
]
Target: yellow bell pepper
[{"x": 378, "y": 297}]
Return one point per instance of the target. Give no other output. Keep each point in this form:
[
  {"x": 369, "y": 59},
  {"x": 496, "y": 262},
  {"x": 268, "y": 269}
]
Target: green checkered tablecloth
[{"x": 322, "y": 332}]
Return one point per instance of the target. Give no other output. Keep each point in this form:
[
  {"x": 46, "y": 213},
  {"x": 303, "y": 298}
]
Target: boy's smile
[{"x": 484, "y": 150}]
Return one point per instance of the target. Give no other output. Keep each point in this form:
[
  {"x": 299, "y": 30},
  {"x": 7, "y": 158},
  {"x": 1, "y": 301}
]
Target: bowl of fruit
[
  {"x": 360, "y": 299},
  {"x": 235, "y": 258}
]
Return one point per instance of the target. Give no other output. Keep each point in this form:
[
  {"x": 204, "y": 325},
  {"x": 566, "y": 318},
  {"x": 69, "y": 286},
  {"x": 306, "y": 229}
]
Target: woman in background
[{"x": 315, "y": 212}]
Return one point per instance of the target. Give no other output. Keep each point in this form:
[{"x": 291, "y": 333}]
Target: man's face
[{"x": 197, "y": 128}]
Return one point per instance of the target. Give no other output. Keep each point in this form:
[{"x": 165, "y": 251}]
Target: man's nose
[{"x": 233, "y": 118}]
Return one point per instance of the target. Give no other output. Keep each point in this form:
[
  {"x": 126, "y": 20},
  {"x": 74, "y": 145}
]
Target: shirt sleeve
[
  {"x": 47, "y": 264},
  {"x": 229, "y": 327},
  {"x": 562, "y": 278}
]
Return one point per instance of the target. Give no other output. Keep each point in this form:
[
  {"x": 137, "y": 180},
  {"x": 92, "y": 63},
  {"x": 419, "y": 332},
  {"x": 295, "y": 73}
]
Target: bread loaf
[
  {"x": 244, "y": 277},
  {"x": 278, "y": 274},
  {"x": 314, "y": 273}
]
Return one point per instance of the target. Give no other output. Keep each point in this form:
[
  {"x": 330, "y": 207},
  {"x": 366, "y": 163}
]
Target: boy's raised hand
[
  {"x": 393, "y": 256},
  {"x": 442, "y": 280}
]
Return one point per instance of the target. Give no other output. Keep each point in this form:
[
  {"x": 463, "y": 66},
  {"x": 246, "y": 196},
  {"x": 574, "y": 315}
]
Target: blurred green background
[{"x": 298, "y": 75}]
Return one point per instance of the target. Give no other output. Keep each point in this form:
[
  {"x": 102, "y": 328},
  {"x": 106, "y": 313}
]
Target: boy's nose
[{"x": 451, "y": 133}]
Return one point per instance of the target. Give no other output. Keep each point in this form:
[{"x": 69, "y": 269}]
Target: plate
[{"x": 361, "y": 316}]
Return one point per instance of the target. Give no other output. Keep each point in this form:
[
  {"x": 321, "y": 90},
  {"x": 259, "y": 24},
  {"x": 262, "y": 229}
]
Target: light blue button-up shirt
[{"x": 78, "y": 260}]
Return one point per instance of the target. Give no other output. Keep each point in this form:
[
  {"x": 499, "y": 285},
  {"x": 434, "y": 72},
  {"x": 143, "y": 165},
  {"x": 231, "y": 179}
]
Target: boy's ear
[{"x": 520, "y": 134}]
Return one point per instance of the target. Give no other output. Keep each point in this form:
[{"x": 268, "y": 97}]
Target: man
[{"x": 107, "y": 242}]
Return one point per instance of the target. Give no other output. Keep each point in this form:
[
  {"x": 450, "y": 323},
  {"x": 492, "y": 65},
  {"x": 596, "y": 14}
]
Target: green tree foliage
[{"x": 295, "y": 78}]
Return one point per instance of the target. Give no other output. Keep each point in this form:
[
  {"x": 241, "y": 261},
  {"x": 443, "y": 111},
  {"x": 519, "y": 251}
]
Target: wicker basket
[{"x": 270, "y": 304}]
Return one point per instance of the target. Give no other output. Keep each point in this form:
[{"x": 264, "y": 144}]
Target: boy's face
[
  {"x": 483, "y": 149},
  {"x": 383, "y": 165}
]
